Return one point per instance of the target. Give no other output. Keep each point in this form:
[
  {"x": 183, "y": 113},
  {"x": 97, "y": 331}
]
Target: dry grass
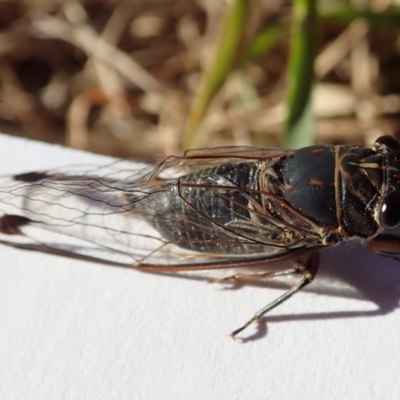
[{"x": 118, "y": 77}]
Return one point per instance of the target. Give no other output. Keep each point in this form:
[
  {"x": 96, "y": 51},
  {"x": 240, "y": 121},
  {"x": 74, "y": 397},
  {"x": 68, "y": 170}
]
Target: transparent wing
[{"x": 205, "y": 209}]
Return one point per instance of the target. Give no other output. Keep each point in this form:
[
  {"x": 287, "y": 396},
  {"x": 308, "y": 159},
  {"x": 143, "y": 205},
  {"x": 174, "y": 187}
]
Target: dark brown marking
[
  {"x": 31, "y": 177},
  {"x": 10, "y": 224}
]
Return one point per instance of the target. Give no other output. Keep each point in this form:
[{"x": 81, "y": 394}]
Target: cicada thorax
[
  {"x": 308, "y": 183},
  {"x": 341, "y": 188}
]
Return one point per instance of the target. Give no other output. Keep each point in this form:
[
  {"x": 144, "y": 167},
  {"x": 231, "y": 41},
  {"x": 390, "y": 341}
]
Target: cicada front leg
[
  {"x": 306, "y": 269},
  {"x": 386, "y": 245}
]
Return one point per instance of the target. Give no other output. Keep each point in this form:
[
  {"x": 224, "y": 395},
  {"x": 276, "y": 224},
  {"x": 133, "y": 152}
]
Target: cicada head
[
  {"x": 370, "y": 187},
  {"x": 389, "y": 210}
]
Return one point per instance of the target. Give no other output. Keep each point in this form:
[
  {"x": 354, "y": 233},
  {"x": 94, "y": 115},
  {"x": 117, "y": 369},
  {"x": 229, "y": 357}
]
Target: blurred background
[{"x": 147, "y": 78}]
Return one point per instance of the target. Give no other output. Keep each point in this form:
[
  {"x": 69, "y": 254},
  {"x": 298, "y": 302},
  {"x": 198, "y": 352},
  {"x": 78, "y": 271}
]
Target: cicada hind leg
[{"x": 307, "y": 269}]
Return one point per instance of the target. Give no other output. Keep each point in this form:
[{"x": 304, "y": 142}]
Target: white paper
[{"x": 71, "y": 329}]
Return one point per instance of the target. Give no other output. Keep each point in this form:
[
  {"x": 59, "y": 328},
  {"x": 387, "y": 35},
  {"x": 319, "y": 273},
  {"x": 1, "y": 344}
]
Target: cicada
[{"x": 231, "y": 207}]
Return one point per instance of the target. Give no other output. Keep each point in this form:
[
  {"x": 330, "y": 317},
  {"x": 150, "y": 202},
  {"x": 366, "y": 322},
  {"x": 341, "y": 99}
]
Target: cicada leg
[
  {"x": 258, "y": 276},
  {"x": 306, "y": 269},
  {"x": 386, "y": 245}
]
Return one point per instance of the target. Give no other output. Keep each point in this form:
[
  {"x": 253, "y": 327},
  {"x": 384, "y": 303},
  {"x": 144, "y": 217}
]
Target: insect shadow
[{"x": 350, "y": 270}]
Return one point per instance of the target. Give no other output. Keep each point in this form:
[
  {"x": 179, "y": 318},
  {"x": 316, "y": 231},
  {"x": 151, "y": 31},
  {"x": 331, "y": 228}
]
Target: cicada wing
[
  {"x": 85, "y": 214},
  {"x": 149, "y": 216},
  {"x": 241, "y": 153},
  {"x": 199, "y": 159}
]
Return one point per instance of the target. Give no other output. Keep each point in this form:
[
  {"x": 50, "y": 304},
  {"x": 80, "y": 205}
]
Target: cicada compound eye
[
  {"x": 389, "y": 217},
  {"x": 390, "y": 142}
]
